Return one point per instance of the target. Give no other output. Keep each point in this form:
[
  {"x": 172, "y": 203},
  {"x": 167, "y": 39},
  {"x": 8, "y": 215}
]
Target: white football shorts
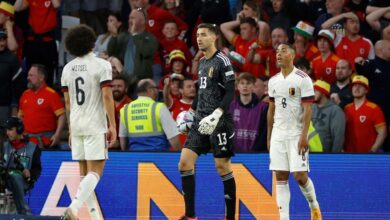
[
  {"x": 89, "y": 147},
  {"x": 284, "y": 155}
]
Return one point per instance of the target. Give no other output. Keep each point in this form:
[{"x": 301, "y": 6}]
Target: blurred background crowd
[{"x": 344, "y": 45}]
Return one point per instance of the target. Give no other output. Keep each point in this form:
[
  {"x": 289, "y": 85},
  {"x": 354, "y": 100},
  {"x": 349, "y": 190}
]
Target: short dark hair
[
  {"x": 80, "y": 40},
  {"x": 123, "y": 78},
  {"x": 41, "y": 69},
  {"x": 116, "y": 15},
  {"x": 253, "y": 5},
  {"x": 303, "y": 62},
  {"x": 264, "y": 78},
  {"x": 249, "y": 20},
  {"x": 211, "y": 27},
  {"x": 246, "y": 76},
  {"x": 181, "y": 82}
]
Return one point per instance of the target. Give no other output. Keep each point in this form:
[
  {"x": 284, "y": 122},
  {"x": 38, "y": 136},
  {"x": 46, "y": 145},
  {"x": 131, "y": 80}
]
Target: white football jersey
[
  {"x": 83, "y": 78},
  {"x": 288, "y": 94}
]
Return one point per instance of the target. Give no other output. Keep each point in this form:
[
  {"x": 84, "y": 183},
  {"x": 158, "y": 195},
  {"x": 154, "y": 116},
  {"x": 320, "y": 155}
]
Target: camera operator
[{"x": 22, "y": 162}]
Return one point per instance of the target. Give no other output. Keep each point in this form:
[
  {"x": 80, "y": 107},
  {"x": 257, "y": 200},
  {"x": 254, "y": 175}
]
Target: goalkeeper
[{"x": 213, "y": 126}]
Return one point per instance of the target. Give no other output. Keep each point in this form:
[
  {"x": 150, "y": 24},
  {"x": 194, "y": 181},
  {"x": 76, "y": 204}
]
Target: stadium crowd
[{"x": 344, "y": 45}]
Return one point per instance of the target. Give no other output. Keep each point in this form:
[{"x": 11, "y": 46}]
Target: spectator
[
  {"x": 178, "y": 63},
  {"x": 267, "y": 57},
  {"x": 177, "y": 71},
  {"x": 304, "y": 65},
  {"x": 41, "y": 109},
  {"x": 328, "y": 119},
  {"x": 265, "y": 97},
  {"x": 324, "y": 66},
  {"x": 340, "y": 91},
  {"x": 23, "y": 159},
  {"x": 249, "y": 116},
  {"x": 304, "y": 47},
  {"x": 173, "y": 85},
  {"x": 136, "y": 47},
  {"x": 259, "y": 88},
  {"x": 279, "y": 16},
  {"x": 365, "y": 123},
  {"x": 351, "y": 45},
  {"x": 15, "y": 35},
  {"x": 377, "y": 71},
  {"x": 252, "y": 9},
  {"x": 174, "y": 7},
  {"x": 200, "y": 11},
  {"x": 9, "y": 67},
  {"x": 41, "y": 46},
  {"x": 171, "y": 42},
  {"x": 119, "y": 93},
  {"x": 157, "y": 17},
  {"x": 114, "y": 27},
  {"x": 146, "y": 125},
  {"x": 241, "y": 42},
  {"x": 378, "y": 16},
  {"x": 333, "y": 8},
  {"x": 175, "y": 105},
  {"x": 116, "y": 66},
  {"x": 386, "y": 33}
]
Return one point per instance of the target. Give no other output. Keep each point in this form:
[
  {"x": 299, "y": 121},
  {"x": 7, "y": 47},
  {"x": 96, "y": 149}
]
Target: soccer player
[
  {"x": 213, "y": 125},
  {"x": 89, "y": 102},
  {"x": 291, "y": 94}
]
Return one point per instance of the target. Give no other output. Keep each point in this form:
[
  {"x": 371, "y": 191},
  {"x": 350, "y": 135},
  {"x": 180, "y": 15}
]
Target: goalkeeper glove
[{"x": 208, "y": 124}]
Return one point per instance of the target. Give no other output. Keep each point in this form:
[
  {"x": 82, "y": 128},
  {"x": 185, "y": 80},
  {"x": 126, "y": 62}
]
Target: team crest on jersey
[
  {"x": 362, "y": 51},
  {"x": 47, "y": 4},
  {"x": 40, "y": 101},
  {"x": 362, "y": 118},
  {"x": 211, "y": 70},
  {"x": 291, "y": 91},
  {"x": 151, "y": 22},
  {"x": 328, "y": 70}
]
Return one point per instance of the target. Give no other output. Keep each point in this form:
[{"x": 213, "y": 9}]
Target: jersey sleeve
[
  {"x": 167, "y": 122},
  {"x": 379, "y": 118},
  {"x": 307, "y": 90},
  {"x": 106, "y": 75},
  {"x": 57, "y": 105},
  {"x": 21, "y": 104},
  {"x": 270, "y": 88},
  {"x": 64, "y": 83},
  {"x": 226, "y": 71}
]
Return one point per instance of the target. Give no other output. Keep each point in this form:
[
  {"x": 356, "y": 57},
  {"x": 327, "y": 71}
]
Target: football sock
[
  {"x": 310, "y": 194},
  {"x": 283, "y": 199},
  {"x": 86, "y": 187},
  {"x": 188, "y": 187},
  {"x": 229, "y": 186},
  {"x": 92, "y": 207}
]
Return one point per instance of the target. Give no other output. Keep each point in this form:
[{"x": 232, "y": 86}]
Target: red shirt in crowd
[
  {"x": 242, "y": 47},
  {"x": 361, "y": 126},
  {"x": 325, "y": 69},
  {"x": 168, "y": 45},
  {"x": 349, "y": 50},
  {"x": 40, "y": 110},
  {"x": 311, "y": 53},
  {"x": 268, "y": 60},
  {"x": 43, "y": 16},
  {"x": 178, "y": 106},
  {"x": 157, "y": 18}
]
